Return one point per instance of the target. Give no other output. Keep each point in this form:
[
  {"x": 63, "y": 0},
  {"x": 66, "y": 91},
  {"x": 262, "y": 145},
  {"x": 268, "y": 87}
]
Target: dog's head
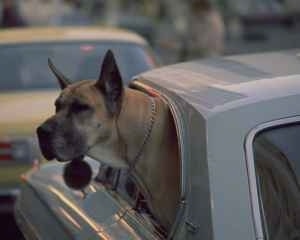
[{"x": 84, "y": 113}]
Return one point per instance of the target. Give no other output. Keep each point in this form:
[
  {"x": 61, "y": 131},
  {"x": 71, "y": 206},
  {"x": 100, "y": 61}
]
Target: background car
[
  {"x": 237, "y": 121},
  {"x": 28, "y": 88},
  {"x": 261, "y": 25}
]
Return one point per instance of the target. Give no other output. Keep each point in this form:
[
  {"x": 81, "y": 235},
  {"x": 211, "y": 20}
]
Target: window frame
[{"x": 256, "y": 203}]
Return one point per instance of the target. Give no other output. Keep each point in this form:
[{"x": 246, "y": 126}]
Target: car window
[
  {"x": 24, "y": 66},
  {"x": 277, "y": 164}
]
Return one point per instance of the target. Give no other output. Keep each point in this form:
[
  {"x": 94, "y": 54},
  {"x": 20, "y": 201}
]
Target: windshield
[{"x": 25, "y": 67}]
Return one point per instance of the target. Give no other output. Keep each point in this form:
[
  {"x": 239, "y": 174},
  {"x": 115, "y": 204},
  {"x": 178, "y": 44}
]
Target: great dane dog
[{"x": 121, "y": 127}]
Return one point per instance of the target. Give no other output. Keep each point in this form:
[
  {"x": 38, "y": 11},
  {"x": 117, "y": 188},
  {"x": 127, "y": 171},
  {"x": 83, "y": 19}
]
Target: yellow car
[{"x": 28, "y": 88}]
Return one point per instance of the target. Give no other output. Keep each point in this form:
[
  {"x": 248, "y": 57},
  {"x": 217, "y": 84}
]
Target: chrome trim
[
  {"x": 10, "y": 192},
  {"x": 183, "y": 179},
  {"x": 255, "y": 202},
  {"x": 180, "y": 132},
  {"x": 264, "y": 227},
  {"x": 25, "y": 226}
]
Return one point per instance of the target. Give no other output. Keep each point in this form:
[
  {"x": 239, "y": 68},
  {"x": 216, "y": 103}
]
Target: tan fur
[
  {"x": 109, "y": 122},
  {"x": 158, "y": 166}
]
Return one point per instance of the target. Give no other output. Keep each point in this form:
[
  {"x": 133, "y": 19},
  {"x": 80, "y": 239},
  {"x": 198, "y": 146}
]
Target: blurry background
[{"x": 178, "y": 30}]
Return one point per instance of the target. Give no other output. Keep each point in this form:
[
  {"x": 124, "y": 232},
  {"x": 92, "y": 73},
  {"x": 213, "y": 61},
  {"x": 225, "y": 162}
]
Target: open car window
[
  {"x": 125, "y": 185},
  {"x": 277, "y": 164}
]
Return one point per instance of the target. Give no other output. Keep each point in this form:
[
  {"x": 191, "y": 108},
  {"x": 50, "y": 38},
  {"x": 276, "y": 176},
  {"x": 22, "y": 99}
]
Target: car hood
[
  {"x": 89, "y": 214},
  {"x": 21, "y": 112}
]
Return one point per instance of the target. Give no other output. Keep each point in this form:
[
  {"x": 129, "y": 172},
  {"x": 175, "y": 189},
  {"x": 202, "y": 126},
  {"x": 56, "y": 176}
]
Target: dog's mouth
[
  {"x": 54, "y": 148},
  {"x": 49, "y": 153},
  {"x": 45, "y": 145},
  {"x": 77, "y": 158},
  {"x": 46, "y": 150}
]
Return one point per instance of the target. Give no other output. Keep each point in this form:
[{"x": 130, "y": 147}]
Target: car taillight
[
  {"x": 21, "y": 150},
  {"x": 5, "y": 151}
]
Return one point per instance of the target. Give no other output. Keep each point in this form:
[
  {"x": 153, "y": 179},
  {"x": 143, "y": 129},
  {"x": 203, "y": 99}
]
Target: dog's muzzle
[{"x": 44, "y": 133}]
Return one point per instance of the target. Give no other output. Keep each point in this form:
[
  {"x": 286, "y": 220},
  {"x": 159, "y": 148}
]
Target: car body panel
[
  {"x": 213, "y": 85},
  {"x": 21, "y": 112},
  {"x": 216, "y": 104},
  {"x": 79, "y": 214},
  {"x": 198, "y": 89},
  {"x": 60, "y": 34},
  {"x": 8, "y": 173}
]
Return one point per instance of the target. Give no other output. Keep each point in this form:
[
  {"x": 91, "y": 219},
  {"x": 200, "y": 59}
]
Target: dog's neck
[
  {"x": 157, "y": 168},
  {"x": 128, "y": 133},
  {"x": 135, "y": 124}
]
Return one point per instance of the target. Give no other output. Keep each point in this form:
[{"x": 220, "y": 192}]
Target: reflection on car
[
  {"x": 237, "y": 121},
  {"x": 28, "y": 89}
]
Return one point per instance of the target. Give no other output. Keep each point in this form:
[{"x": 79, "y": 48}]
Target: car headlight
[{"x": 19, "y": 149}]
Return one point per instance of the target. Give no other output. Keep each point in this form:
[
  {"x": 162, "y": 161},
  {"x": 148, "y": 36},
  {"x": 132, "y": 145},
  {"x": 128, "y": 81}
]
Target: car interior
[{"x": 278, "y": 181}]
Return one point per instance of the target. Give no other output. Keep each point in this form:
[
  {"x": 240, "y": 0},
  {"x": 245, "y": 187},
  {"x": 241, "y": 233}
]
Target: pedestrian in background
[
  {"x": 204, "y": 31},
  {"x": 10, "y": 16}
]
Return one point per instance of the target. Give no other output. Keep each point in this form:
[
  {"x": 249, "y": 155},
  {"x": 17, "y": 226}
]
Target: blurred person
[
  {"x": 75, "y": 17},
  {"x": 39, "y": 12},
  {"x": 10, "y": 15},
  {"x": 292, "y": 5},
  {"x": 204, "y": 31}
]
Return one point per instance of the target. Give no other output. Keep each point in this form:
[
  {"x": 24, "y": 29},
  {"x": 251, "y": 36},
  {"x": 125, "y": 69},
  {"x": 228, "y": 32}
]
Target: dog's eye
[{"x": 79, "y": 107}]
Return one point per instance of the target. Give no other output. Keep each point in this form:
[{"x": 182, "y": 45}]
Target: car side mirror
[{"x": 77, "y": 174}]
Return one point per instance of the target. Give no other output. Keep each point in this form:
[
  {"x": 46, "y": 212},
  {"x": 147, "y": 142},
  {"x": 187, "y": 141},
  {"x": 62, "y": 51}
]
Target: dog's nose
[
  {"x": 44, "y": 133},
  {"x": 44, "y": 130}
]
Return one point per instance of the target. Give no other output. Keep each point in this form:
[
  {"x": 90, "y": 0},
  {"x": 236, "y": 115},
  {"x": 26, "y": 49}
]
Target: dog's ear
[
  {"x": 62, "y": 80},
  {"x": 110, "y": 83}
]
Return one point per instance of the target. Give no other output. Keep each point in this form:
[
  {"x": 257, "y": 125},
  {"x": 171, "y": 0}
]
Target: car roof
[
  {"x": 59, "y": 34},
  {"x": 218, "y": 84}
]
